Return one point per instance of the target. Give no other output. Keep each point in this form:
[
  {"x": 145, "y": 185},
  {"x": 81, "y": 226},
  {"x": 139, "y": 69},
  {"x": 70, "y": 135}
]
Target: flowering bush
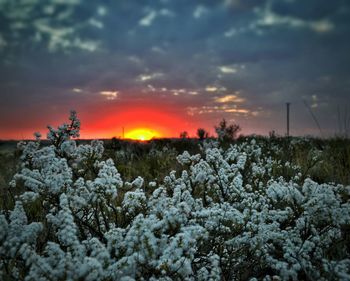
[{"x": 228, "y": 215}]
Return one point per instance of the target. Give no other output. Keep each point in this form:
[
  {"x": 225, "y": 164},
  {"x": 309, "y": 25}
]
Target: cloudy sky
[{"x": 174, "y": 65}]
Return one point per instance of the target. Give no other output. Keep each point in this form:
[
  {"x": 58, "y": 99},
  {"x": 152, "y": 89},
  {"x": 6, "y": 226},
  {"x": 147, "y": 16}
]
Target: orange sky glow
[
  {"x": 105, "y": 121},
  {"x": 137, "y": 122}
]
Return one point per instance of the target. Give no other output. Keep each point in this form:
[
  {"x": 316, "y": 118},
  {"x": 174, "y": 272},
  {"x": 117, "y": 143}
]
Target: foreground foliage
[{"x": 228, "y": 215}]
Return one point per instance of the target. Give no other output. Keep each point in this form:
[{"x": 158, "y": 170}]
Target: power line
[{"x": 313, "y": 116}]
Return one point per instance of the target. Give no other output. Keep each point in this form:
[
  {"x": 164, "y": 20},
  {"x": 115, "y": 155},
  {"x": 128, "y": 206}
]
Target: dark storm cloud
[{"x": 194, "y": 54}]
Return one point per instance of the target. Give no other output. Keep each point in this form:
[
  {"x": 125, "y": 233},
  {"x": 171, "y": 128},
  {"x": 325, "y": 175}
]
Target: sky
[{"x": 167, "y": 66}]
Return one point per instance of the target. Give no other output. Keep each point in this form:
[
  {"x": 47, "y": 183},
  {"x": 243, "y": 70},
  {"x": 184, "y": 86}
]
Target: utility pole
[
  {"x": 122, "y": 132},
  {"x": 288, "y": 106}
]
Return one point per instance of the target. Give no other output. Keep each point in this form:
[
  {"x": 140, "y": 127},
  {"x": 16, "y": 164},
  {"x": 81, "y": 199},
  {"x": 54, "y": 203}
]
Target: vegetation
[
  {"x": 184, "y": 135},
  {"x": 247, "y": 208},
  {"x": 226, "y": 133},
  {"x": 202, "y": 134}
]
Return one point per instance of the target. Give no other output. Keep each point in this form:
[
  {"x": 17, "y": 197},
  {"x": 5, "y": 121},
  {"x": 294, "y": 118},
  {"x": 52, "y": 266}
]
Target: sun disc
[{"x": 141, "y": 134}]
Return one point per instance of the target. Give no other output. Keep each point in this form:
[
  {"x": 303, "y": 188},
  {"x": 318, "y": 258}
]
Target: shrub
[
  {"x": 227, "y": 133},
  {"x": 202, "y": 134},
  {"x": 184, "y": 135}
]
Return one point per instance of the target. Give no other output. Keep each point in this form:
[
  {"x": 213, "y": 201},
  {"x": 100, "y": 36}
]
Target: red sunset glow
[{"x": 138, "y": 123}]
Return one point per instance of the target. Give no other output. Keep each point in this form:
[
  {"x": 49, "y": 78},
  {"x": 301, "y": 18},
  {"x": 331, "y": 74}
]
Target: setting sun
[{"x": 141, "y": 134}]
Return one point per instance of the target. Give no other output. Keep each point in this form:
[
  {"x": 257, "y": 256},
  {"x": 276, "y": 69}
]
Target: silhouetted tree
[
  {"x": 184, "y": 135},
  {"x": 202, "y": 134},
  {"x": 225, "y": 132}
]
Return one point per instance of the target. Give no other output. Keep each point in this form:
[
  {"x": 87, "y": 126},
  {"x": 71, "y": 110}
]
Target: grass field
[{"x": 324, "y": 160}]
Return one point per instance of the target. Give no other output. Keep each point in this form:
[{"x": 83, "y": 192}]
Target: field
[{"x": 247, "y": 208}]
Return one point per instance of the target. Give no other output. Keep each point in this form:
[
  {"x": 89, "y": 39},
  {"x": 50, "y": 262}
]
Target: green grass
[{"x": 323, "y": 160}]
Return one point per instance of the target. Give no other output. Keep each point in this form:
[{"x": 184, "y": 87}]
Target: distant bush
[
  {"x": 227, "y": 133},
  {"x": 228, "y": 215},
  {"x": 202, "y": 134},
  {"x": 184, "y": 135}
]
